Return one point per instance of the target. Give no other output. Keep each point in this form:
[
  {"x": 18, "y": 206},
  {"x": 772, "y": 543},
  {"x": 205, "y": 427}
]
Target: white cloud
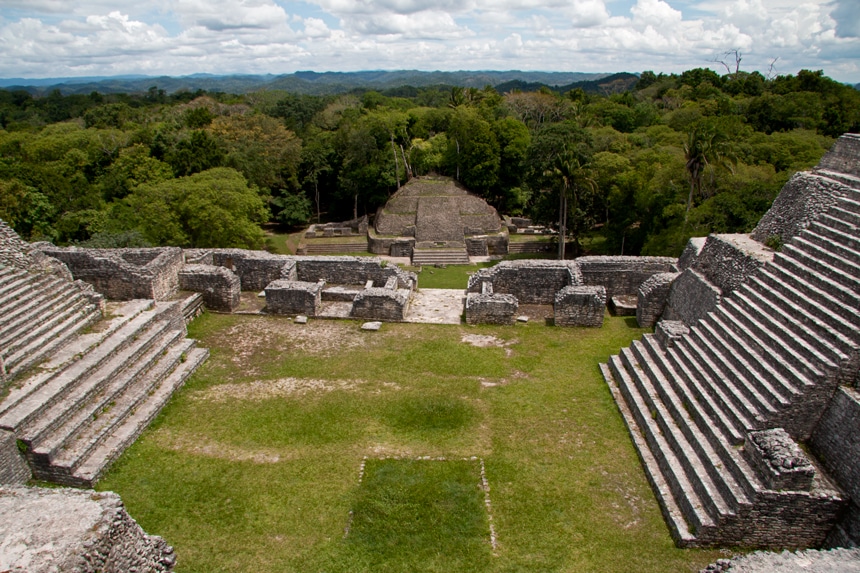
[{"x": 57, "y": 37}]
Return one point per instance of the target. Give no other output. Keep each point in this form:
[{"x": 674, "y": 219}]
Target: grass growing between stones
[{"x": 254, "y": 464}]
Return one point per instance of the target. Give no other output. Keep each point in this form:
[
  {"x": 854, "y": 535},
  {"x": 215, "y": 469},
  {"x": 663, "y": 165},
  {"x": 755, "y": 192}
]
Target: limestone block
[
  {"x": 652, "y": 297},
  {"x": 779, "y": 461},
  {"x": 219, "y": 286},
  {"x": 668, "y": 332},
  {"x": 580, "y": 306},
  {"x": 491, "y": 308},
  {"x": 623, "y": 305},
  {"x": 382, "y": 304},
  {"x": 293, "y": 297}
]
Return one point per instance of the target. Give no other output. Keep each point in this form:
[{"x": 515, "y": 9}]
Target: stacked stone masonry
[
  {"x": 491, "y": 308},
  {"x": 219, "y": 286},
  {"x": 380, "y": 303},
  {"x": 530, "y": 281},
  {"x": 652, "y": 297},
  {"x": 580, "y": 306},
  {"x": 765, "y": 361},
  {"x": 47, "y": 530},
  {"x": 809, "y": 561},
  {"x": 294, "y": 297},
  {"x": 622, "y": 275}
]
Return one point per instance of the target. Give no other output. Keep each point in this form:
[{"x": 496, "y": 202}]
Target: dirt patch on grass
[
  {"x": 205, "y": 447},
  {"x": 266, "y": 389},
  {"x": 488, "y": 341}
]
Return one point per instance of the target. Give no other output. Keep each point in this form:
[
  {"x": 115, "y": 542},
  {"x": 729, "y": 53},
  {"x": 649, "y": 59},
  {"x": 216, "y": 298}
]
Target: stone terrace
[{"x": 770, "y": 355}]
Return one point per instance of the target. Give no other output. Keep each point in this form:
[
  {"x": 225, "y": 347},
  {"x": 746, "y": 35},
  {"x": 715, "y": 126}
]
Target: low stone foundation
[
  {"x": 256, "y": 269},
  {"x": 293, "y": 297},
  {"x": 531, "y": 281},
  {"x": 84, "y": 531},
  {"x": 489, "y": 308},
  {"x": 580, "y": 306},
  {"x": 220, "y": 287},
  {"x": 652, "y": 297},
  {"x": 622, "y": 275},
  {"x": 379, "y": 303}
]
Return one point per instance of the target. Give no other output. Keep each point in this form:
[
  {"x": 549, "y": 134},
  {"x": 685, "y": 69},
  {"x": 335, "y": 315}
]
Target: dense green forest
[{"x": 642, "y": 168}]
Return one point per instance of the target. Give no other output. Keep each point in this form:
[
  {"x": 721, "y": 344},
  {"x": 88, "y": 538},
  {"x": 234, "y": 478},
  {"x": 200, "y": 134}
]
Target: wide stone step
[
  {"x": 777, "y": 345},
  {"x": 51, "y": 341},
  {"x": 62, "y": 421},
  {"x": 725, "y": 403},
  {"x": 34, "y": 308},
  {"x": 98, "y": 461},
  {"x": 440, "y": 256},
  {"x": 41, "y": 318},
  {"x": 710, "y": 422},
  {"x": 839, "y": 269},
  {"x": 811, "y": 298},
  {"x": 688, "y": 419},
  {"x": 781, "y": 384},
  {"x": 817, "y": 278},
  {"x": 63, "y": 451},
  {"x": 693, "y": 508},
  {"x": 85, "y": 389},
  {"x": 829, "y": 245},
  {"x": 19, "y": 409},
  {"x": 77, "y": 346},
  {"x": 815, "y": 324},
  {"x": 678, "y": 527},
  {"x": 22, "y": 288},
  {"x": 834, "y": 228},
  {"x": 737, "y": 378}
]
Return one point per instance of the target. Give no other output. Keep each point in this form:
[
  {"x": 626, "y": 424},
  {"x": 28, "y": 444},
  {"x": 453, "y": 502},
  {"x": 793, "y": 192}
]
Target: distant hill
[
  {"x": 607, "y": 84},
  {"x": 311, "y": 83}
]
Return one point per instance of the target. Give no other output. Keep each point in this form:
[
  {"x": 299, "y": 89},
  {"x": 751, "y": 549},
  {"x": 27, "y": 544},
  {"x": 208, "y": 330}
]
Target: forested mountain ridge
[
  {"x": 643, "y": 166},
  {"x": 309, "y": 83}
]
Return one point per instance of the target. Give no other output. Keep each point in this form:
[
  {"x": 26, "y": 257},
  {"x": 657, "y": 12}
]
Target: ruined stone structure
[
  {"x": 760, "y": 354},
  {"x": 219, "y": 286},
  {"x": 580, "y": 306},
  {"x": 487, "y": 307},
  {"x": 436, "y": 221},
  {"x": 46, "y": 530}
]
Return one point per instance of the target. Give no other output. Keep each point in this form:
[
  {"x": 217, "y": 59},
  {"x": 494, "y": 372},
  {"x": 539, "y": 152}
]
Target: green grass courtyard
[{"x": 324, "y": 448}]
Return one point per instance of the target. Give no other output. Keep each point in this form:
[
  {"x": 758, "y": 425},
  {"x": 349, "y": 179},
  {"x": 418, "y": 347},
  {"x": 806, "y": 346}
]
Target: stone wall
[
  {"x": 379, "y": 303},
  {"x": 805, "y": 197},
  {"x": 489, "y": 308},
  {"x": 652, "y": 297},
  {"x": 13, "y": 249},
  {"x": 809, "y": 561},
  {"x": 691, "y": 252},
  {"x": 842, "y": 156},
  {"x": 532, "y": 281},
  {"x": 256, "y": 269},
  {"x": 347, "y": 270},
  {"x": 13, "y": 467},
  {"x": 836, "y": 443},
  {"x": 727, "y": 260},
  {"x": 219, "y": 286},
  {"x": 691, "y": 297},
  {"x": 124, "y": 274},
  {"x": 293, "y": 297},
  {"x": 75, "y": 530},
  {"x": 580, "y": 306},
  {"x": 622, "y": 275}
]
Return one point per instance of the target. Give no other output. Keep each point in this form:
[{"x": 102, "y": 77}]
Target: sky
[{"x": 70, "y": 38}]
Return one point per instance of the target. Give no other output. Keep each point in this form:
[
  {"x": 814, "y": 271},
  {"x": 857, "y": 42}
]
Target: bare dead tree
[
  {"x": 771, "y": 72},
  {"x": 727, "y": 63}
]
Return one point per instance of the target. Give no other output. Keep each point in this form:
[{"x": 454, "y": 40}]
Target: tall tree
[{"x": 706, "y": 147}]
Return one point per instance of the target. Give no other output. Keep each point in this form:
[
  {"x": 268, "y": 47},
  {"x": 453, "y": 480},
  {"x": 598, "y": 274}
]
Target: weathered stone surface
[
  {"x": 779, "y": 461},
  {"x": 346, "y": 270},
  {"x": 845, "y": 560},
  {"x": 389, "y": 305},
  {"x": 669, "y": 332},
  {"x": 691, "y": 297},
  {"x": 371, "y": 326},
  {"x": 652, "y": 297},
  {"x": 805, "y": 197},
  {"x": 836, "y": 442},
  {"x": 691, "y": 252},
  {"x": 48, "y": 530},
  {"x": 489, "y": 308},
  {"x": 623, "y": 305},
  {"x": 124, "y": 274},
  {"x": 842, "y": 156},
  {"x": 580, "y": 306},
  {"x": 256, "y": 269},
  {"x": 13, "y": 466},
  {"x": 622, "y": 275},
  {"x": 728, "y": 260},
  {"x": 220, "y": 287},
  {"x": 293, "y": 297},
  {"x": 531, "y": 281}
]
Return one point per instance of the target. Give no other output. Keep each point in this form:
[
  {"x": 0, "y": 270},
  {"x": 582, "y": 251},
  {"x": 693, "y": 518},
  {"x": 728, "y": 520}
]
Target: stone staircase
[
  {"x": 311, "y": 248},
  {"x": 440, "y": 256},
  {"x": 532, "y": 247},
  {"x": 40, "y": 314},
  {"x": 76, "y": 412},
  {"x": 770, "y": 356}
]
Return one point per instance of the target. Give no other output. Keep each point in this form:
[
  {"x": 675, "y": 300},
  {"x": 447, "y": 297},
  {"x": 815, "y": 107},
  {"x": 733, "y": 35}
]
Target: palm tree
[
  {"x": 706, "y": 147},
  {"x": 574, "y": 179}
]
